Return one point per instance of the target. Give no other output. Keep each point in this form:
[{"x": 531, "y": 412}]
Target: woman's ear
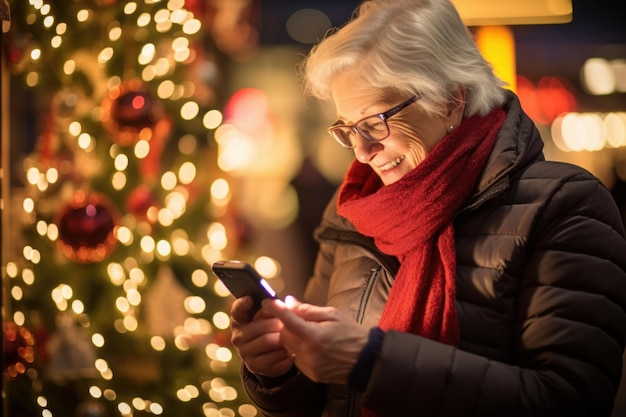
[{"x": 456, "y": 105}]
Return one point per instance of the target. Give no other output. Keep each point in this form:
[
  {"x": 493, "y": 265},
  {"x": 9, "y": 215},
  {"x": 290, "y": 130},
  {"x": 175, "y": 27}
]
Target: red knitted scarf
[{"x": 412, "y": 220}]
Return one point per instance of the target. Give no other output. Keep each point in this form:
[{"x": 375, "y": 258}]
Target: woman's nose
[{"x": 365, "y": 150}]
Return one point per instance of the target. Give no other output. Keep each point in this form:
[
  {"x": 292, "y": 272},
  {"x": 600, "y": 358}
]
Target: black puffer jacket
[{"x": 541, "y": 296}]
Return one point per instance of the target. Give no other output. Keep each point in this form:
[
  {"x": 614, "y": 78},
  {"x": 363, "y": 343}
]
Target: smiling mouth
[{"x": 392, "y": 164}]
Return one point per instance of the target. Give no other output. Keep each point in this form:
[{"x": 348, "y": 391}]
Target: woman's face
[{"x": 412, "y": 133}]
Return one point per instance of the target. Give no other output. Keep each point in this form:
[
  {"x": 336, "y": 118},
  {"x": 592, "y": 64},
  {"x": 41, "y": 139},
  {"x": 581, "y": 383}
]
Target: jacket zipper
[
  {"x": 374, "y": 271},
  {"x": 368, "y": 290}
]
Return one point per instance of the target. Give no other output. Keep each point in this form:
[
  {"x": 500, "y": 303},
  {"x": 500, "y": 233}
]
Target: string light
[
  {"x": 127, "y": 277},
  {"x": 576, "y": 132}
]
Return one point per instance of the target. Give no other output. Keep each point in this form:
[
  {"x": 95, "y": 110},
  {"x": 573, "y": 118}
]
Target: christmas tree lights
[{"x": 122, "y": 209}]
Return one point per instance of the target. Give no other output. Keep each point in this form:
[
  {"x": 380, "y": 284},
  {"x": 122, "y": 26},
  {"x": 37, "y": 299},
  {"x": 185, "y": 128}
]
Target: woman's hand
[
  {"x": 257, "y": 340},
  {"x": 323, "y": 342}
]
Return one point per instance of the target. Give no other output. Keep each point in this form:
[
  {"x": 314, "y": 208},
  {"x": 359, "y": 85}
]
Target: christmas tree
[{"x": 120, "y": 209}]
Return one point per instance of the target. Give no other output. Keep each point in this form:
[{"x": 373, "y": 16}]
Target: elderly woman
[{"x": 459, "y": 273}]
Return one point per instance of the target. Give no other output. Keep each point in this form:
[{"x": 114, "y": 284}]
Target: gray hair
[{"x": 406, "y": 47}]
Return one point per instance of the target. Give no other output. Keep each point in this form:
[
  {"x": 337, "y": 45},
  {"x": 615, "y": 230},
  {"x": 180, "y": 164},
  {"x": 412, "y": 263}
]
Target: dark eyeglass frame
[{"x": 333, "y": 130}]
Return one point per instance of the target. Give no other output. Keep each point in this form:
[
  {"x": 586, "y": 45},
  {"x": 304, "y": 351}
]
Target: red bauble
[
  {"x": 86, "y": 228},
  {"x": 222, "y": 337},
  {"x": 19, "y": 348},
  {"x": 130, "y": 112},
  {"x": 139, "y": 201},
  {"x": 197, "y": 7}
]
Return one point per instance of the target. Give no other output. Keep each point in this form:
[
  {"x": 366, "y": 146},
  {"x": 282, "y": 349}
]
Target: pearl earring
[{"x": 451, "y": 128}]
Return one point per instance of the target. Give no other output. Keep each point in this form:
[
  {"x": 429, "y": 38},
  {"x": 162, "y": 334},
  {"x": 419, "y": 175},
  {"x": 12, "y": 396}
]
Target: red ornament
[
  {"x": 130, "y": 112},
  {"x": 139, "y": 201},
  {"x": 222, "y": 337},
  {"x": 86, "y": 228},
  {"x": 19, "y": 348},
  {"x": 197, "y": 7}
]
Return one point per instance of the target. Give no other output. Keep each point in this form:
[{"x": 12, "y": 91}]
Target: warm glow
[
  {"x": 52, "y": 175},
  {"x": 11, "y": 269},
  {"x": 166, "y": 89},
  {"x": 601, "y": 77},
  {"x": 589, "y": 131},
  {"x": 48, "y": 21},
  {"x": 118, "y": 180},
  {"x": 217, "y": 236},
  {"x": 147, "y": 53},
  {"x": 144, "y": 19},
  {"x": 53, "y": 232},
  {"x": 187, "y": 173},
  {"x": 78, "y": 307},
  {"x": 83, "y": 15},
  {"x": 163, "y": 248},
  {"x": 35, "y": 54},
  {"x": 224, "y": 354},
  {"x": 194, "y": 305},
  {"x": 139, "y": 404},
  {"x": 28, "y": 276},
  {"x": 168, "y": 180},
  {"x": 85, "y": 141},
  {"x": 122, "y": 304},
  {"x": 130, "y": 7},
  {"x": 236, "y": 151},
  {"x": 75, "y": 128},
  {"x": 221, "y": 320},
  {"x": 266, "y": 266},
  {"x": 56, "y": 41},
  {"x": 121, "y": 162},
  {"x": 192, "y": 26},
  {"x": 95, "y": 392},
  {"x": 220, "y": 188},
  {"x": 220, "y": 289},
  {"x": 16, "y": 293},
  {"x": 156, "y": 409},
  {"x": 115, "y": 33},
  {"x": 212, "y": 119},
  {"x": 101, "y": 365},
  {"x": 544, "y": 102},
  {"x": 124, "y": 235},
  {"x": 130, "y": 323},
  {"x": 134, "y": 297},
  {"x": 32, "y": 175},
  {"x": 69, "y": 67},
  {"x": 200, "y": 278},
  {"x": 498, "y": 12},
  {"x": 142, "y": 148},
  {"x": 157, "y": 343},
  {"x": 97, "y": 339},
  {"x": 176, "y": 202},
  {"x": 147, "y": 244},
  {"x": 497, "y": 44},
  {"x": 189, "y": 110}
]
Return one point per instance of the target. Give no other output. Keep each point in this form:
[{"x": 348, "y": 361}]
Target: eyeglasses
[{"x": 373, "y": 128}]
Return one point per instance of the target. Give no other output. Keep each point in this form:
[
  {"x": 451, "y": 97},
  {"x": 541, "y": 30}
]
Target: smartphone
[{"x": 242, "y": 279}]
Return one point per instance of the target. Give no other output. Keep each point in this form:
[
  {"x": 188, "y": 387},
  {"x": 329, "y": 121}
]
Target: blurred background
[{"x": 143, "y": 140}]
